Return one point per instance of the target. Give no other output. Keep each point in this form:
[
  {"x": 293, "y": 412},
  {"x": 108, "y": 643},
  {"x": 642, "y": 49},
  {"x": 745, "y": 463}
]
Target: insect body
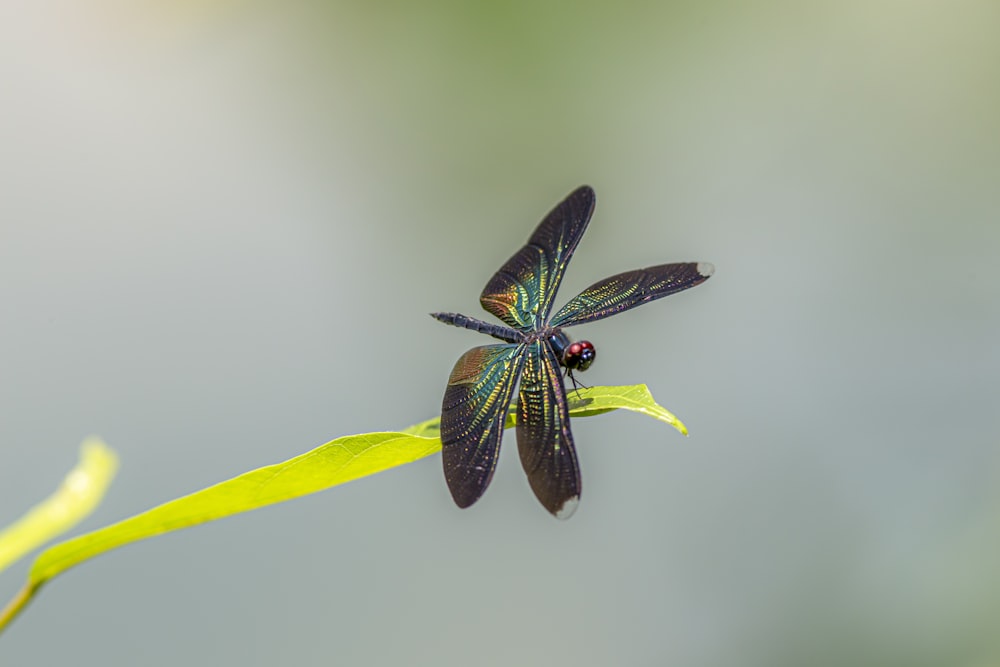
[{"x": 534, "y": 352}]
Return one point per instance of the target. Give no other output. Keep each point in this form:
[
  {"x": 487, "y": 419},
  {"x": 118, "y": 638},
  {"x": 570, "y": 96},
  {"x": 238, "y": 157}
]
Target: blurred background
[{"x": 223, "y": 224}]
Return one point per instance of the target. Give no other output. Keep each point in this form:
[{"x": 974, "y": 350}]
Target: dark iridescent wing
[
  {"x": 472, "y": 417},
  {"x": 630, "y": 289},
  {"x": 521, "y": 292},
  {"x": 543, "y": 436}
]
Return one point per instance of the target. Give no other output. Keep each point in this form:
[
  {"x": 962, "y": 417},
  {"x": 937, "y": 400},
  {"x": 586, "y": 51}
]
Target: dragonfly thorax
[{"x": 574, "y": 355}]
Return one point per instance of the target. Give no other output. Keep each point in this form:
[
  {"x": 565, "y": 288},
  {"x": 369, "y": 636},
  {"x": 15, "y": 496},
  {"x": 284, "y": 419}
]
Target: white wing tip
[
  {"x": 568, "y": 507},
  {"x": 706, "y": 269}
]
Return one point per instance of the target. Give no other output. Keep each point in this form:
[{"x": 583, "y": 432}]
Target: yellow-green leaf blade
[
  {"x": 78, "y": 495},
  {"x": 336, "y": 462},
  {"x": 635, "y": 398}
]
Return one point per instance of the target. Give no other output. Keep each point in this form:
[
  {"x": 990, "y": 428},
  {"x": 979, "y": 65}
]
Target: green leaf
[
  {"x": 636, "y": 398},
  {"x": 339, "y": 461},
  {"x": 336, "y": 462},
  {"x": 78, "y": 495}
]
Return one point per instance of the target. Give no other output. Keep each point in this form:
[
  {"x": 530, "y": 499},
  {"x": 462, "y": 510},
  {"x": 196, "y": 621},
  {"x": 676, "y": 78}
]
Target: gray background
[{"x": 222, "y": 225}]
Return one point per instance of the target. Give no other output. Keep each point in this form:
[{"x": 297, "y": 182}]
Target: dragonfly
[{"x": 534, "y": 354}]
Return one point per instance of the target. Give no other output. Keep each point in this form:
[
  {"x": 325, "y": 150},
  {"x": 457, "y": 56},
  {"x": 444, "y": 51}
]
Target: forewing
[
  {"x": 630, "y": 289},
  {"x": 521, "y": 292},
  {"x": 472, "y": 417},
  {"x": 544, "y": 439}
]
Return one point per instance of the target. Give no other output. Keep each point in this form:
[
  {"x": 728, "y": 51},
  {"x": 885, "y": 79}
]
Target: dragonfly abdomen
[{"x": 500, "y": 332}]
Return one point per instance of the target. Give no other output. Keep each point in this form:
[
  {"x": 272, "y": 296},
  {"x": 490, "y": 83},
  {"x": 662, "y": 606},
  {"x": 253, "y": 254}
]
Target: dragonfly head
[{"x": 579, "y": 355}]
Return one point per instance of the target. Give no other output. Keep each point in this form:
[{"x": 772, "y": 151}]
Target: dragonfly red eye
[{"x": 579, "y": 355}]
